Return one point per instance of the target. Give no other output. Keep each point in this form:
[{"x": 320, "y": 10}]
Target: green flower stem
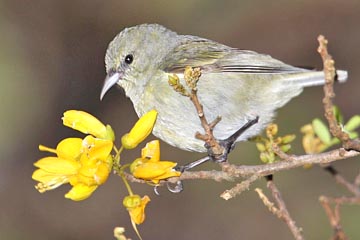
[
  {"x": 117, "y": 156},
  {"x": 121, "y": 172}
]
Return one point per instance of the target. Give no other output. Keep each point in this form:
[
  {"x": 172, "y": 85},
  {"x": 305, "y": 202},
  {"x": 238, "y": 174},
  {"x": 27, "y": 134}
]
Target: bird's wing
[{"x": 214, "y": 57}]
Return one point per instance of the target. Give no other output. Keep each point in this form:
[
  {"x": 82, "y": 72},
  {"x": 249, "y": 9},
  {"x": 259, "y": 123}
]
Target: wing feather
[{"x": 211, "y": 56}]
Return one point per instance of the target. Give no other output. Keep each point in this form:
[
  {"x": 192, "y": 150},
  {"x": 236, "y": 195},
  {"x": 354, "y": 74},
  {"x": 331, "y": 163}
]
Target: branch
[
  {"x": 231, "y": 171},
  {"x": 280, "y": 211},
  {"x": 292, "y": 162},
  {"x": 351, "y": 187},
  {"x": 334, "y": 214},
  {"x": 330, "y": 75},
  {"x": 334, "y": 218},
  {"x": 337, "y": 131},
  {"x": 191, "y": 77},
  {"x": 239, "y": 188}
]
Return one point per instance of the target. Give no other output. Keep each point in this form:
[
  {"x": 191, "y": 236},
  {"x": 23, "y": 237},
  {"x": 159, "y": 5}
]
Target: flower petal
[
  {"x": 80, "y": 192},
  {"x": 140, "y": 131},
  {"x": 93, "y": 174},
  {"x": 155, "y": 171},
  {"x": 43, "y": 176},
  {"x": 151, "y": 151},
  {"x": 58, "y": 165},
  {"x": 96, "y": 148},
  {"x": 136, "y": 207},
  {"x": 85, "y": 123},
  {"x": 138, "y": 214},
  {"x": 69, "y": 148},
  {"x": 102, "y": 173}
]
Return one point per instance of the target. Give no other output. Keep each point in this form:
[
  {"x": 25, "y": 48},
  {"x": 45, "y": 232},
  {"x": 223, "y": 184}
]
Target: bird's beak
[{"x": 110, "y": 80}]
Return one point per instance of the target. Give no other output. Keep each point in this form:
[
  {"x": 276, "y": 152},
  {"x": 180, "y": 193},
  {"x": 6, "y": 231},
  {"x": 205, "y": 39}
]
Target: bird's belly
[
  {"x": 178, "y": 120},
  {"x": 236, "y": 101},
  {"x": 178, "y": 126}
]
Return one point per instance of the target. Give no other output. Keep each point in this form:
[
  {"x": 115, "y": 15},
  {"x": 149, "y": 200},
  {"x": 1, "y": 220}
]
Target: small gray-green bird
[{"x": 238, "y": 85}]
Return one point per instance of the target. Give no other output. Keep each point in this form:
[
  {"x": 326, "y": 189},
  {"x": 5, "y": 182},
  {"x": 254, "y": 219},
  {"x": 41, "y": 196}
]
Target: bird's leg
[
  {"x": 229, "y": 143},
  {"x": 192, "y": 164}
]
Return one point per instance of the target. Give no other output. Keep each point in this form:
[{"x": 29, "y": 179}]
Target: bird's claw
[{"x": 229, "y": 143}]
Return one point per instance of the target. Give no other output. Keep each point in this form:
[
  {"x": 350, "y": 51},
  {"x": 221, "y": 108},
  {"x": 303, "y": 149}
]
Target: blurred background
[{"x": 51, "y": 60}]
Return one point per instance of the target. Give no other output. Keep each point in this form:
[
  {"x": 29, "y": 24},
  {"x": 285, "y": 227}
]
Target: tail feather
[
  {"x": 342, "y": 75},
  {"x": 315, "y": 78}
]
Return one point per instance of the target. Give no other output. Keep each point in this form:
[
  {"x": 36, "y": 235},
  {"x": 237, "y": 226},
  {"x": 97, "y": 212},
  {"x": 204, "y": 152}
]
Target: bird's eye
[{"x": 129, "y": 59}]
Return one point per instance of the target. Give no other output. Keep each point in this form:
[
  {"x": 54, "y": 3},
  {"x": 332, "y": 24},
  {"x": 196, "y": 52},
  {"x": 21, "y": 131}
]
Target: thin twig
[
  {"x": 330, "y": 75},
  {"x": 334, "y": 218},
  {"x": 270, "y": 205},
  {"x": 192, "y": 76},
  {"x": 285, "y": 216},
  {"x": 280, "y": 209},
  {"x": 345, "y": 200},
  {"x": 296, "y": 161},
  {"x": 334, "y": 214},
  {"x": 281, "y": 154},
  {"x": 239, "y": 188},
  {"x": 351, "y": 187}
]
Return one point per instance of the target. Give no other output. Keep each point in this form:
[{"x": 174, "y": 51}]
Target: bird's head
[{"x": 134, "y": 55}]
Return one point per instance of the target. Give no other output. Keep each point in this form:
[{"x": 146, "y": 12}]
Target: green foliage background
[{"x": 51, "y": 60}]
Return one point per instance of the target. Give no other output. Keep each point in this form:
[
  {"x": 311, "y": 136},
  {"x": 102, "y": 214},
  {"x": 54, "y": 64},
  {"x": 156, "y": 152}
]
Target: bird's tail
[{"x": 315, "y": 78}]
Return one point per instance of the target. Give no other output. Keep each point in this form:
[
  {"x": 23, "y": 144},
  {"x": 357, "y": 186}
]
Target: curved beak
[{"x": 110, "y": 80}]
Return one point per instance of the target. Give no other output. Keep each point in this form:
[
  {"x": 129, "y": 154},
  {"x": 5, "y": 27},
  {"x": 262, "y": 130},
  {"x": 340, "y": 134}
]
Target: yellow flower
[
  {"x": 136, "y": 207},
  {"x": 140, "y": 131},
  {"x": 88, "y": 124},
  {"x": 154, "y": 171},
  {"x": 96, "y": 162},
  {"x": 55, "y": 171},
  {"x": 84, "y": 163},
  {"x": 150, "y": 168}
]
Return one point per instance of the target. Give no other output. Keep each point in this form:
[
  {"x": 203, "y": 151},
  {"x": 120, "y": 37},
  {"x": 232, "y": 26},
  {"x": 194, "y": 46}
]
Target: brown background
[{"x": 51, "y": 60}]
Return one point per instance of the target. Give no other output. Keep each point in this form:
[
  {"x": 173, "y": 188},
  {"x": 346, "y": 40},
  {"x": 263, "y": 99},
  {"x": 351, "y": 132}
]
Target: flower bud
[{"x": 140, "y": 131}]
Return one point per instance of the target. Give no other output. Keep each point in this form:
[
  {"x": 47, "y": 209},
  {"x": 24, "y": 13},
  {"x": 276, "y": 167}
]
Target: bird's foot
[
  {"x": 228, "y": 144},
  {"x": 192, "y": 164}
]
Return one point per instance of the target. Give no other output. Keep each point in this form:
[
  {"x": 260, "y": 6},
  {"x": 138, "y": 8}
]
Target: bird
[{"x": 237, "y": 85}]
